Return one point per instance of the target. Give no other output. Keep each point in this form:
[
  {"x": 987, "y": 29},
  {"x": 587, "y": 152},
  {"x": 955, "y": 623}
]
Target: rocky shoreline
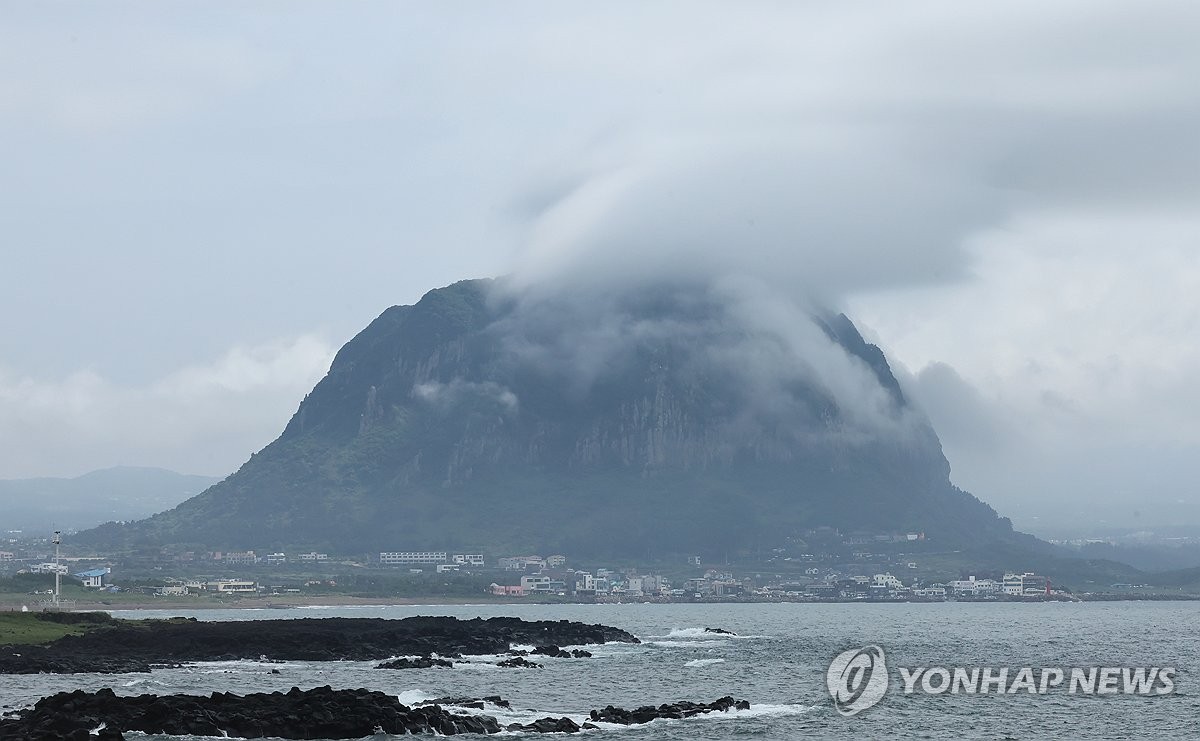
[
  {"x": 321, "y": 713},
  {"x": 111, "y": 645},
  {"x": 119, "y": 646}
]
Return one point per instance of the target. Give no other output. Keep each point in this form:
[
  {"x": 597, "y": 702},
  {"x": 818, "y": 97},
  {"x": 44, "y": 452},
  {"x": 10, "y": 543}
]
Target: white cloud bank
[
  {"x": 1062, "y": 377},
  {"x": 202, "y": 419}
]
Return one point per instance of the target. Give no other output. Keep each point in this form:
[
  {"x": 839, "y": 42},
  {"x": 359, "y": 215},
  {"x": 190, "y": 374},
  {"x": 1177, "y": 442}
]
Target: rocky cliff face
[{"x": 663, "y": 419}]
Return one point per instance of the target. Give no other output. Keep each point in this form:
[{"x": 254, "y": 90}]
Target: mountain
[
  {"x": 647, "y": 420},
  {"x": 121, "y": 493}
]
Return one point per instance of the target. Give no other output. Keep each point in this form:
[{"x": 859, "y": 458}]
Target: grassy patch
[{"x": 36, "y": 628}]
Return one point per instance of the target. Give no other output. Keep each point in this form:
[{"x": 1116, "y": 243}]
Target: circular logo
[{"x": 857, "y": 679}]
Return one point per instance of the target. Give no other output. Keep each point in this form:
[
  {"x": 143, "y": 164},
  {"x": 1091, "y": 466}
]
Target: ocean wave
[
  {"x": 687, "y": 644},
  {"x": 414, "y": 696},
  {"x": 704, "y": 662},
  {"x": 507, "y": 716},
  {"x": 701, "y": 635},
  {"x": 141, "y": 681}
]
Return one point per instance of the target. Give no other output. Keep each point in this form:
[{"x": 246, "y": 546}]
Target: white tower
[{"x": 57, "y": 572}]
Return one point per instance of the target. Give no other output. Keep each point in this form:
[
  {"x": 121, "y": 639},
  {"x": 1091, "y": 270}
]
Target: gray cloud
[{"x": 760, "y": 344}]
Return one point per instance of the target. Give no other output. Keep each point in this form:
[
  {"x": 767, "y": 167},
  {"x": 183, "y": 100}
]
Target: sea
[{"x": 778, "y": 661}]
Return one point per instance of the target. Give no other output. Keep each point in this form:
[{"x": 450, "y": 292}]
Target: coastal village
[{"x": 554, "y": 577}]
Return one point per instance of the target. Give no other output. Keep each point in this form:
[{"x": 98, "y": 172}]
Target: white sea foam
[
  {"x": 506, "y": 716},
  {"x": 704, "y": 662},
  {"x": 137, "y": 682},
  {"x": 413, "y": 696},
  {"x": 702, "y": 634},
  {"x": 687, "y": 644}
]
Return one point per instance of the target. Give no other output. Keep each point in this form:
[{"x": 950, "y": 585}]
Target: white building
[
  {"x": 556, "y": 561},
  {"x": 1021, "y": 584},
  {"x": 314, "y": 556},
  {"x": 930, "y": 592},
  {"x": 48, "y": 568},
  {"x": 973, "y": 587},
  {"x": 231, "y": 586},
  {"x": 468, "y": 559},
  {"x": 389, "y": 558},
  {"x": 520, "y": 563},
  {"x": 93, "y": 578},
  {"x": 886, "y": 580},
  {"x": 276, "y": 559},
  {"x": 535, "y": 583}
]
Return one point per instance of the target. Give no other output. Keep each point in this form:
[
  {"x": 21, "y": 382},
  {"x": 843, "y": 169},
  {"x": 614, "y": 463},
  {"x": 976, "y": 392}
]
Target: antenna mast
[{"x": 57, "y": 571}]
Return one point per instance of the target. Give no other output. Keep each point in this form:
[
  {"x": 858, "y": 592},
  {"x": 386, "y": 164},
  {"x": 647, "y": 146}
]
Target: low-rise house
[
  {"x": 727, "y": 587},
  {"x": 231, "y": 586},
  {"x": 240, "y": 558},
  {"x": 48, "y": 568},
  {"x": 173, "y": 590},
  {"x": 556, "y": 561},
  {"x": 930, "y": 592},
  {"x": 1024, "y": 584},
  {"x": 468, "y": 559},
  {"x": 697, "y": 586},
  {"x": 535, "y": 584},
  {"x": 310, "y": 557},
  {"x": 93, "y": 578},
  {"x": 972, "y": 587},
  {"x": 276, "y": 559},
  {"x": 521, "y": 563},
  {"x": 633, "y": 586},
  {"x": 507, "y": 590},
  {"x": 389, "y": 558},
  {"x": 886, "y": 580}
]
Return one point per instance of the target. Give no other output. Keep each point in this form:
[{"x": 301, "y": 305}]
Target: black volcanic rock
[
  {"x": 518, "y": 662},
  {"x": 676, "y": 710},
  {"x": 561, "y": 653},
  {"x": 547, "y": 725},
  {"x": 312, "y": 714},
  {"x": 478, "y": 703},
  {"x": 679, "y": 418},
  {"x": 127, "y": 646},
  {"x": 420, "y": 662},
  {"x": 321, "y": 713}
]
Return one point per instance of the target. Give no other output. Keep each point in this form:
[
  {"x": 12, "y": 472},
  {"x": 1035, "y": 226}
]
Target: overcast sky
[{"x": 200, "y": 202}]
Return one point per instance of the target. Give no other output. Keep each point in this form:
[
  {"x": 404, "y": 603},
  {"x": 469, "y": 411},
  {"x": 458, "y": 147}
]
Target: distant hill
[
  {"x": 666, "y": 419},
  {"x": 42, "y": 505}
]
